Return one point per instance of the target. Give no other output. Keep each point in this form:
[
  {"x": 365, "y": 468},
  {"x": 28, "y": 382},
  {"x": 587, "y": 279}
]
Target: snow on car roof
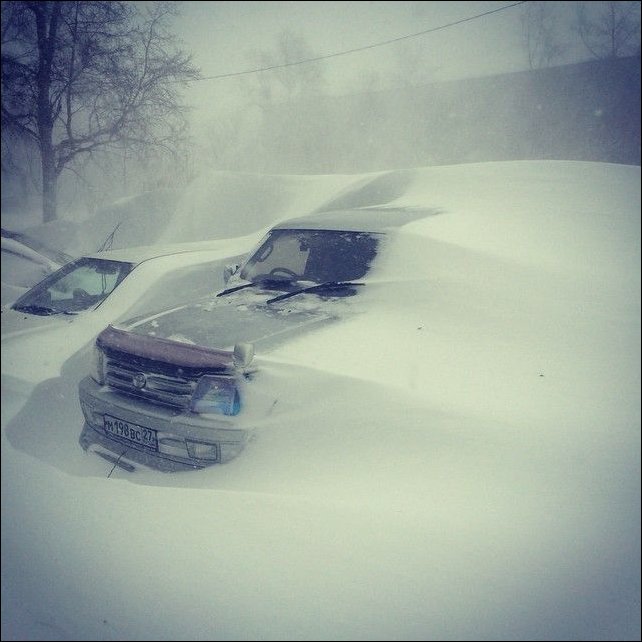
[
  {"x": 17, "y": 247},
  {"x": 367, "y": 219},
  {"x": 379, "y": 220},
  {"x": 139, "y": 254}
]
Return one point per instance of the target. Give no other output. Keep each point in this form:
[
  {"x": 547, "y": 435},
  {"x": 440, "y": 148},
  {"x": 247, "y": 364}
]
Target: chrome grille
[{"x": 161, "y": 388}]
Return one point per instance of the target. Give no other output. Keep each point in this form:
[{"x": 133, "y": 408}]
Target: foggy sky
[
  {"x": 228, "y": 117},
  {"x": 222, "y": 35}
]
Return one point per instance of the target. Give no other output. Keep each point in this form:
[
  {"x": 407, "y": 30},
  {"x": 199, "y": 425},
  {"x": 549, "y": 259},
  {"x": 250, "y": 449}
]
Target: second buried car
[{"x": 168, "y": 390}]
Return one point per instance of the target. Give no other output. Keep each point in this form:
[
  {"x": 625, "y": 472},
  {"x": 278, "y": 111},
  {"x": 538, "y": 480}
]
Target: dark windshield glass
[
  {"x": 79, "y": 285},
  {"x": 312, "y": 255}
]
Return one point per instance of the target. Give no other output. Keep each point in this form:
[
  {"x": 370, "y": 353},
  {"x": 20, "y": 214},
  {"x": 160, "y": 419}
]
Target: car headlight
[
  {"x": 98, "y": 366},
  {"x": 217, "y": 395}
]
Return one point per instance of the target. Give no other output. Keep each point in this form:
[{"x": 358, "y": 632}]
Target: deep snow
[{"x": 459, "y": 460}]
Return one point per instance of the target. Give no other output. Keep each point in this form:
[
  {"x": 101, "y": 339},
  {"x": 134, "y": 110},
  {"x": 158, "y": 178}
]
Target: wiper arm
[
  {"x": 259, "y": 283},
  {"x": 41, "y": 310},
  {"x": 235, "y": 289},
  {"x": 326, "y": 285}
]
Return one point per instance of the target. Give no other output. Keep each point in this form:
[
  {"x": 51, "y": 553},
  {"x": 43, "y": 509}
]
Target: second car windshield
[
  {"x": 79, "y": 285},
  {"x": 312, "y": 255}
]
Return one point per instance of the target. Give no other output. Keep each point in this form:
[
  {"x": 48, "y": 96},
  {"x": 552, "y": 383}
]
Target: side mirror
[{"x": 228, "y": 271}]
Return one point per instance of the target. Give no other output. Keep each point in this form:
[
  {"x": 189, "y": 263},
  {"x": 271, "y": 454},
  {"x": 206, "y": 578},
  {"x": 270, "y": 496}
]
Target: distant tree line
[{"x": 605, "y": 29}]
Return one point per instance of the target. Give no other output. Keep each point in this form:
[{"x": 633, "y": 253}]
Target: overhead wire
[{"x": 364, "y": 48}]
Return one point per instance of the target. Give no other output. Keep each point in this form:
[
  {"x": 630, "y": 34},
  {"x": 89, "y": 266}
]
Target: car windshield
[
  {"x": 312, "y": 255},
  {"x": 79, "y": 285}
]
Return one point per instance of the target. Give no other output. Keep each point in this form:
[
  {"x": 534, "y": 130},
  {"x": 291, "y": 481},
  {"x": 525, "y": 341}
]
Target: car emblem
[{"x": 139, "y": 380}]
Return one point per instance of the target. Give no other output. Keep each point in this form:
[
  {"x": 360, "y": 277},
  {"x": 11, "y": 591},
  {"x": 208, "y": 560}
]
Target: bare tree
[
  {"x": 285, "y": 79},
  {"x": 277, "y": 106},
  {"x": 609, "y": 29},
  {"x": 83, "y": 76},
  {"x": 543, "y": 45}
]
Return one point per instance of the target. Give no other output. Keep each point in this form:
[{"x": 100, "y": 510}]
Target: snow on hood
[{"x": 239, "y": 317}]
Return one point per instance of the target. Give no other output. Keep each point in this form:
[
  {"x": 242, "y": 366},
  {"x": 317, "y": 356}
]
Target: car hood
[{"x": 244, "y": 317}]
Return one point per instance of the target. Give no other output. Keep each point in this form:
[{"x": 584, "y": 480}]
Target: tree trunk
[
  {"x": 49, "y": 180},
  {"x": 46, "y": 24}
]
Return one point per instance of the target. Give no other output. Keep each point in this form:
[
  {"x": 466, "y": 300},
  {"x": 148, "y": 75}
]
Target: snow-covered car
[
  {"x": 73, "y": 304},
  {"x": 168, "y": 390},
  {"x": 457, "y": 458}
]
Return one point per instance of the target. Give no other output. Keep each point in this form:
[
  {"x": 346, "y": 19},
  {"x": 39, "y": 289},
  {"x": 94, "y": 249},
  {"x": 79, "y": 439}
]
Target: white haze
[
  {"x": 362, "y": 46},
  {"x": 460, "y": 461},
  {"x": 231, "y": 116}
]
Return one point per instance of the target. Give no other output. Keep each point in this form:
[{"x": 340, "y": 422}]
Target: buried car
[
  {"x": 68, "y": 308},
  {"x": 168, "y": 390},
  {"x": 89, "y": 282}
]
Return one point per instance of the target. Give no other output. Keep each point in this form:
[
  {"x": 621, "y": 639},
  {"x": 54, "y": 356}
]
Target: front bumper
[{"x": 185, "y": 440}]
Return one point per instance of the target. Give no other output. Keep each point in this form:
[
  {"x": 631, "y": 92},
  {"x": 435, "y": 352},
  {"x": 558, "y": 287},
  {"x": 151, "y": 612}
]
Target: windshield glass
[
  {"x": 312, "y": 255},
  {"x": 79, "y": 285}
]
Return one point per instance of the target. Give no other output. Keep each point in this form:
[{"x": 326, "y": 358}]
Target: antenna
[{"x": 109, "y": 240}]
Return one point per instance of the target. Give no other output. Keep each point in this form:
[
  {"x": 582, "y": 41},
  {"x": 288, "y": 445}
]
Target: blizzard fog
[
  {"x": 389, "y": 87},
  {"x": 459, "y": 460}
]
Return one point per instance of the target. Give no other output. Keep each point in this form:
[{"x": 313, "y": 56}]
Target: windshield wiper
[
  {"x": 260, "y": 283},
  {"x": 326, "y": 285},
  {"x": 37, "y": 309},
  {"x": 235, "y": 289}
]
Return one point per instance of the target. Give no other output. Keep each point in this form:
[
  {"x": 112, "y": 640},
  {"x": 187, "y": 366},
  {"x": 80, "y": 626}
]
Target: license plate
[{"x": 130, "y": 432}]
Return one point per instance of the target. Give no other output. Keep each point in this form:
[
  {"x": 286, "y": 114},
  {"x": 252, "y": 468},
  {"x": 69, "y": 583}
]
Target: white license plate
[{"x": 130, "y": 432}]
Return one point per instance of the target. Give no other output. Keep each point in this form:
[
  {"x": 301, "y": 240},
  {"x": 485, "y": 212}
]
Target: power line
[{"x": 350, "y": 51}]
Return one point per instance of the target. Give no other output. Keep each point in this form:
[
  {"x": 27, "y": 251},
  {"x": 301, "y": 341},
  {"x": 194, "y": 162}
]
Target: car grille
[{"x": 156, "y": 387}]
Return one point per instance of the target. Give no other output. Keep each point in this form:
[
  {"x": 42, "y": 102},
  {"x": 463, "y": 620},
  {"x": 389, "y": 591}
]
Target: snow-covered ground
[{"x": 458, "y": 461}]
